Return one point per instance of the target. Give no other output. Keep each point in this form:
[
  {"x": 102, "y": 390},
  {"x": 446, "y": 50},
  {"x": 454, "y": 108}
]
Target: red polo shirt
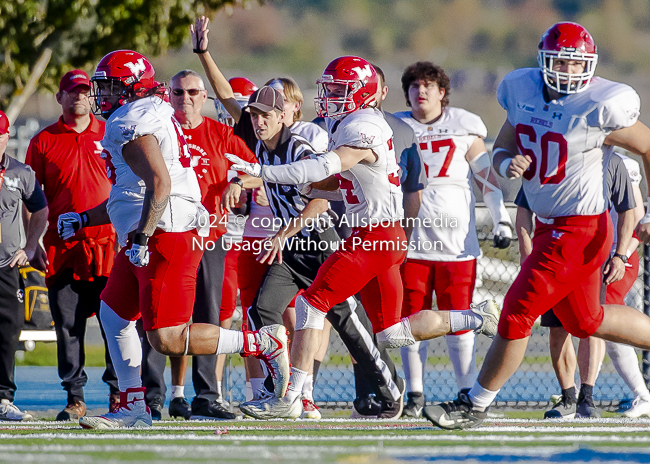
[
  {"x": 208, "y": 142},
  {"x": 73, "y": 175}
]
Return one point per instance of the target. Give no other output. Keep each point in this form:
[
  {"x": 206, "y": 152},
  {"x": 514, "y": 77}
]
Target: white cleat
[
  {"x": 132, "y": 412},
  {"x": 270, "y": 345},
  {"x": 640, "y": 407},
  {"x": 310, "y": 410},
  {"x": 490, "y": 312},
  {"x": 10, "y": 412},
  {"x": 273, "y": 408}
]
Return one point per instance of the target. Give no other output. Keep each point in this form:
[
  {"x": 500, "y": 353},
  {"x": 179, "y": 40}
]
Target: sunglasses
[{"x": 191, "y": 92}]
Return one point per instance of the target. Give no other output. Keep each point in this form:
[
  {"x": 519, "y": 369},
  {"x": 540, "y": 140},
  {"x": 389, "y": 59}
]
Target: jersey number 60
[{"x": 545, "y": 141}]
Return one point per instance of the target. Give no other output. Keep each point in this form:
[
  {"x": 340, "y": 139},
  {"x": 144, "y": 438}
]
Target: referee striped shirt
[{"x": 285, "y": 199}]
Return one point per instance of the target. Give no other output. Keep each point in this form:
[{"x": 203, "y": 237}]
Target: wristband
[
  {"x": 140, "y": 239},
  {"x": 503, "y": 167},
  {"x": 198, "y": 51},
  {"x": 84, "y": 219},
  {"x": 238, "y": 181}
]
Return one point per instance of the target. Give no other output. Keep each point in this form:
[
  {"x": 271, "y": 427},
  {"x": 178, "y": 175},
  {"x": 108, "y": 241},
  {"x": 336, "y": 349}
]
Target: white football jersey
[
  {"x": 151, "y": 116},
  {"x": 445, "y": 229},
  {"x": 565, "y": 139},
  {"x": 312, "y": 133},
  {"x": 371, "y": 191}
]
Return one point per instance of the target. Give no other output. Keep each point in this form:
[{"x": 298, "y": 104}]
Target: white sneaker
[
  {"x": 270, "y": 345},
  {"x": 273, "y": 408},
  {"x": 490, "y": 313},
  {"x": 640, "y": 407},
  {"x": 133, "y": 412},
  {"x": 310, "y": 410},
  {"x": 10, "y": 412}
]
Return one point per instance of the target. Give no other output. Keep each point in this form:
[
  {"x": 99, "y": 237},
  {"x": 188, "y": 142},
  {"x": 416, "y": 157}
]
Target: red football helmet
[
  {"x": 567, "y": 41},
  {"x": 120, "y": 77},
  {"x": 349, "y": 83},
  {"x": 243, "y": 89}
]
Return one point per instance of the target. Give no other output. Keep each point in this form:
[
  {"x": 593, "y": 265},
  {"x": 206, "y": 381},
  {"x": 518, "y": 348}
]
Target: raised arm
[{"x": 220, "y": 85}]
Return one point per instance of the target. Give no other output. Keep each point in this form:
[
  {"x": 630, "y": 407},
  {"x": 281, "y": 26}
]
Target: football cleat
[
  {"x": 209, "y": 410},
  {"x": 586, "y": 409},
  {"x": 179, "y": 407},
  {"x": 414, "y": 405},
  {"x": 73, "y": 411},
  {"x": 310, "y": 410},
  {"x": 640, "y": 407},
  {"x": 270, "y": 345},
  {"x": 490, "y": 313},
  {"x": 273, "y": 408},
  {"x": 455, "y": 415},
  {"x": 392, "y": 409},
  {"x": 10, "y": 412},
  {"x": 562, "y": 409},
  {"x": 133, "y": 412}
]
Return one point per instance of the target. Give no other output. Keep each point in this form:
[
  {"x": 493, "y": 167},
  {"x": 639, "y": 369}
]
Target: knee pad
[
  {"x": 308, "y": 317},
  {"x": 396, "y": 336}
]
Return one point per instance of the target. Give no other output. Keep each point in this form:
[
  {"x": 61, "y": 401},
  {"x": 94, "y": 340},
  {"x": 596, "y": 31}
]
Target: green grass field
[{"x": 501, "y": 439}]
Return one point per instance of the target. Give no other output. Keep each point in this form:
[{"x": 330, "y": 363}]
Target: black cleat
[
  {"x": 156, "y": 407},
  {"x": 455, "y": 415},
  {"x": 586, "y": 408},
  {"x": 392, "y": 409},
  {"x": 210, "y": 410},
  {"x": 365, "y": 407},
  {"x": 414, "y": 405},
  {"x": 179, "y": 407}
]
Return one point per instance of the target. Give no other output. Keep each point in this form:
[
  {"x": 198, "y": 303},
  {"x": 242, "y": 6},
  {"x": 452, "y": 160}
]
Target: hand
[
  {"x": 68, "y": 224},
  {"x": 259, "y": 196},
  {"x": 614, "y": 270},
  {"x": 272, "y": 250},
  {"x": 238, "y": 164},
  {"x": 231, "y": 196},
  {"x": 643, "y": 232},
  {"x": 518, "y": 166},
  {"x": 502, "y": 235},
  {"x": 199, "y": 32},
  {"x": 37, "y": 258},
  {"x": 19, "y": 258},
  {"x": 138, "y": 255}
]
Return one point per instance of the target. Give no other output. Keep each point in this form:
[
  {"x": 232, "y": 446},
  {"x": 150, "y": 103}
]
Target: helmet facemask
[
  {"x": 106, "y": 96},
  {"x": 337, "y": 106},
  {"x": 564, "y": 82}
]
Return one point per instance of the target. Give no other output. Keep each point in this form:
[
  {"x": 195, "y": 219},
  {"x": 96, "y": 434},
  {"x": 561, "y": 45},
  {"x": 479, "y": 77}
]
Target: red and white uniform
[
  {"x": 150, "y": 116},
  {"x": 564, "y": 187},
  {"x": 370, "y": 258},
  {"x": 163, "y": 292},
  {"x": 443, "y": 259}
]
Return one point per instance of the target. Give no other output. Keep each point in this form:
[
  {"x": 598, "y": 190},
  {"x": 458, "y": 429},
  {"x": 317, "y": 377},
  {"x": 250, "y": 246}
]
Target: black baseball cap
[{"x": 266, "y": 99}]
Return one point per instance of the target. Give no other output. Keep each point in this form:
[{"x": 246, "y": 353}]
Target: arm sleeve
[{"x": 33, "y": 195}]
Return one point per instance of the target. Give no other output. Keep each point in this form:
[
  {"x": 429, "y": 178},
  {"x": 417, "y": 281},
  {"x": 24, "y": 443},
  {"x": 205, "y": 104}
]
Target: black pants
[
  {"x": 72, "y": 302},
  {"x": 298, "y": 270},
  {"x": 206, "y": 310},
  {"x": 12, "y": 318}
]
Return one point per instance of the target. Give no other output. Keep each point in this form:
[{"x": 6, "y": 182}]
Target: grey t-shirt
[{"x": 19, "y": 184}]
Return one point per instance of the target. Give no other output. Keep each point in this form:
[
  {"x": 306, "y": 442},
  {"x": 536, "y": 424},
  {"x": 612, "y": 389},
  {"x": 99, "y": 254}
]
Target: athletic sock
[
  {"x": 463, "y": 357},
  {"x": 249, "y": 391},
  {"x": 178, "y": 391},
  {"x": 481, "y": 397},
  {"x": 586, "y": 392},
  {"x": 124, "y": 346},
  {"x": 464, "y": 320},
  {"x": 257, "y": 386},
  {"x": 230, "y": 341},
  {"x": 298, "y": 378},
  {"x": 219, "y": 386},
  {"x": 413, "y": 367},
  {"x": 308, "y": 387},
  {"x": 569, "y": 393},
  {"x": 627, "y": 365}
]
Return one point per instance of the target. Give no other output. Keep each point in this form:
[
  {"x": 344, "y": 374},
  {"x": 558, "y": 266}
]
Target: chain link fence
[{"x": 531, "y": 386}]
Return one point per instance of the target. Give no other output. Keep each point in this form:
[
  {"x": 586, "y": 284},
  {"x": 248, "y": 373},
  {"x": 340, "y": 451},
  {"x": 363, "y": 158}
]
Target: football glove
[
  {"x": 502, "y": 235},
  {"x": 69, "y": 223},
  {"x": 238, "y": 164},
  {"x": 138, "y": 254}
]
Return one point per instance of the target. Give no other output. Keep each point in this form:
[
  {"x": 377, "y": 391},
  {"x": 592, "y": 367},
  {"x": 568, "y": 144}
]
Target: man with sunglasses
[
  {"x": 207, "y": 140},
  {"x": 66, "y": 158}
]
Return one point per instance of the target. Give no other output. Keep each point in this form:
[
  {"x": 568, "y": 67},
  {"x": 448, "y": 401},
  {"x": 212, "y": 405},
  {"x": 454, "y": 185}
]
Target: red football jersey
[{"x": 208, "y": 142}]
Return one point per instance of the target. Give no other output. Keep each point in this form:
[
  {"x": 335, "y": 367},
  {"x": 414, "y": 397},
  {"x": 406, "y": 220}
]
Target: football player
[
  {"x": 561, "y": 122},
  {"x": 453, "y": 148},
  {"x": 361, "y": 166},
  {"x": 155, "y": 207}
]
